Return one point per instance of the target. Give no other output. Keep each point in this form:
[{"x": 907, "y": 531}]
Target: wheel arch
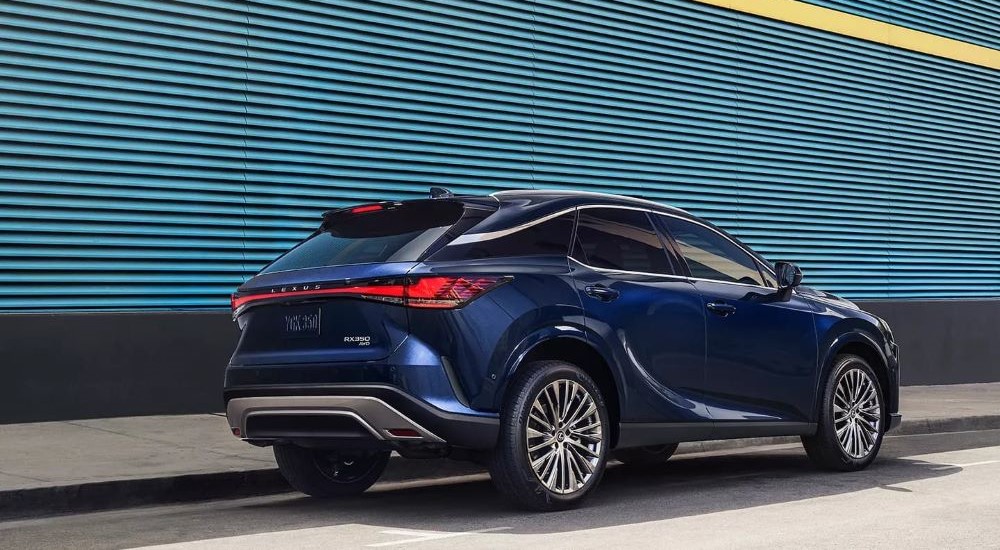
[
  {"x": 572, "y": 346},
  {"x": 856, "y": 342}
]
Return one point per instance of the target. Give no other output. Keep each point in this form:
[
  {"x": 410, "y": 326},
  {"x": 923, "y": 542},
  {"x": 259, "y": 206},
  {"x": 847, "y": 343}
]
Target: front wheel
[
  {"x": 554, "y": 435},
  {"x": 851, "y": 419},
  {"x": 326, "y": 474}
]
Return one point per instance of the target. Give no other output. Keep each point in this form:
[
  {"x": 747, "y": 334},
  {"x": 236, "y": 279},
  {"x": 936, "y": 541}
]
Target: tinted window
[
  {"x": 710, "y": 255},
  {"x": 401, "y": 232},
  {"x": 616, "y": 238},
  {"x": 550, "y": 237}
]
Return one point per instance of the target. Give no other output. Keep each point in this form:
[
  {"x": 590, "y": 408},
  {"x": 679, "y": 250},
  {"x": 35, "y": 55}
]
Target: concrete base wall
[
  {"x": 944, "y": 341},
  {"x": 89, "y": 365},
  {"x": 92, "y": 365}
]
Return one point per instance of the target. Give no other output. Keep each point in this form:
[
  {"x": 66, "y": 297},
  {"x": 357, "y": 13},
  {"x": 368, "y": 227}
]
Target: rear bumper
[
  {"x": 376, "y": 408},
  {"x": 375, "y": 416}
]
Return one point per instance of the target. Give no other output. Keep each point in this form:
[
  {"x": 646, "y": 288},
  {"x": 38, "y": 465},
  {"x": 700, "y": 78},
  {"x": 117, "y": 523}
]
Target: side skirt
[{"x": 635, "y": 434}]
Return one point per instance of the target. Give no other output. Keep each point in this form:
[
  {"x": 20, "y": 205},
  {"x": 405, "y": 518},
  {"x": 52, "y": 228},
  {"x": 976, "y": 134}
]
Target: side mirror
[{"x": 788, "y": 274}]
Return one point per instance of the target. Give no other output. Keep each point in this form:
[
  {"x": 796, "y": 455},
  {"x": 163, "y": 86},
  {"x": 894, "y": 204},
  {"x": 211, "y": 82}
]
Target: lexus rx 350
[{"x": 543, "y": 333}]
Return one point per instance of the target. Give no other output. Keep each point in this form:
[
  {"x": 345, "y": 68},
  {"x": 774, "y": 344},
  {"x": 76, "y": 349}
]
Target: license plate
[{"x": 304, "y": 324}]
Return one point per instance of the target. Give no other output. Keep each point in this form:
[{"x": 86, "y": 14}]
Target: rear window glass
[
  {"x": 400, "y": 233},
  {"x": 550, "y": 237}
]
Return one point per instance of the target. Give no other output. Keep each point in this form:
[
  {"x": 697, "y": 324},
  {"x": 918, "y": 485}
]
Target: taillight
[
  {"x": 447, "y": 292},
  {"x": 431, "y": 292}
]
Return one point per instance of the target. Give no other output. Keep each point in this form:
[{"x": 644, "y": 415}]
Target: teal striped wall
[{"x": 154, "y": 154}]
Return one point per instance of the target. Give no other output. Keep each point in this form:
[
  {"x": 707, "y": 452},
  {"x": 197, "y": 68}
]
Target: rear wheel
[
  {"x": 553, "y": 442},
  {"x": 325, "y": 474},
  {"x": 851, "y": 423},
  {"x": 646, "y": 457}
]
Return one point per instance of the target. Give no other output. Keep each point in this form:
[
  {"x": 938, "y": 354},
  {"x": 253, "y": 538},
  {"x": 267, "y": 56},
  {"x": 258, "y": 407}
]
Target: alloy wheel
[
  {"x": 564, "y": 436},
  {"x": 857, "y": 413}
]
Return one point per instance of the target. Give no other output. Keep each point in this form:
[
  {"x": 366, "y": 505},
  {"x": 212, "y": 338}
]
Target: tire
[
  {"x": 578, "y": 456},
  {"x": 646, "y": 457},
  {"x": 859, "y": 419},
  {"x": 327, "y": 474}
]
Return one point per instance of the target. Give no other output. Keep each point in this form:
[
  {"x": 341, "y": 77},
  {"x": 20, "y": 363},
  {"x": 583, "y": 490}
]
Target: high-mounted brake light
[
  {"x": 367, "y": 208},
  {"x": 431, "y": 292}
]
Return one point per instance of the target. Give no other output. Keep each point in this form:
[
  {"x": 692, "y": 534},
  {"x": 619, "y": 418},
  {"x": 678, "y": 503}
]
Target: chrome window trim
[
  {"x": 480, "y": 237},
  {"x": 696, "y": 222},
  {"x": 490, "y": 235},
  {"x": 578, "y": 193},
  {"x": 664, "y": 275},
  {"x": 742, "y": 247},
  {"x": 626, "y": 271}
]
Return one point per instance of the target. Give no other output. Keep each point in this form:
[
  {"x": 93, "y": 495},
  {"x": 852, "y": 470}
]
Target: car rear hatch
[{"x": 337, "y": 296}]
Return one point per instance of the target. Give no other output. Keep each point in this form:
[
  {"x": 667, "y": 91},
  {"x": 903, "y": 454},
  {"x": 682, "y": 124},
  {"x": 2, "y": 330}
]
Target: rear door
[
  {"x": 762, "y": 352},
  {"x": 652, "y": 317},
  {"x": 336, "y": 296}
]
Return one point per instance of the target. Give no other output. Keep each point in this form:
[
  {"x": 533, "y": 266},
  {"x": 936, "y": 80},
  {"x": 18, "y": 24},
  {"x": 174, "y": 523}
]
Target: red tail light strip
[
  {"x": 422, "y": 292},
  {"x": 387, "y": 291},
  {"x": 367, "y": 208}
]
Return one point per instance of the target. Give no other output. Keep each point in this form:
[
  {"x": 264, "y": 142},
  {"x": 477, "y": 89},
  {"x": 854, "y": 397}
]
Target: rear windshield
[{"x": 401, "y": 232}]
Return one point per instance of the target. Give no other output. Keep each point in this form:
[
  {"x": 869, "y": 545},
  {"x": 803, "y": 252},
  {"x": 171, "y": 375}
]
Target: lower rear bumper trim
[
  {"x": 375, "y": 415},
  {"x": 468, "y": 431}
]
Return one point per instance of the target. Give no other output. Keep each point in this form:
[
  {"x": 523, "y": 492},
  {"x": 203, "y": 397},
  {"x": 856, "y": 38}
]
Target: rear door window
[
  {"x": 548, "y": 238},
  {"x": 711, "y": 256},
  {"x": 620, "y": 239},
  {"x": 397, "y": 232}
]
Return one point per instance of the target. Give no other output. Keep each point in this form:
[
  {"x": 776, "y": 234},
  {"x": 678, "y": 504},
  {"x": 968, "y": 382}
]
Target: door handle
[
  {"x": 721, "y": 308},
  {"x": 601, "y": 292}
]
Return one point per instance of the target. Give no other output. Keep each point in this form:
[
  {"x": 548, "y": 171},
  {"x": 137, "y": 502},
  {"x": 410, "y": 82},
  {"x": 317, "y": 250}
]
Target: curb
[{"x": 127, "y": 493}]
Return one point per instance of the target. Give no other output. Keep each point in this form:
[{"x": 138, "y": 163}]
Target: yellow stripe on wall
[{"x": 826, "y": 19}]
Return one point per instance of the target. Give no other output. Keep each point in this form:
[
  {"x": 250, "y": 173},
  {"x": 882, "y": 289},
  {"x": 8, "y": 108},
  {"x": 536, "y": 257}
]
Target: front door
[{"x": 761, "y": 356}]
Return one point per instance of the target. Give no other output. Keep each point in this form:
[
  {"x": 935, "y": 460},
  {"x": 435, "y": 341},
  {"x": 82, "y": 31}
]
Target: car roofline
[{"x": 500, "y": 195}]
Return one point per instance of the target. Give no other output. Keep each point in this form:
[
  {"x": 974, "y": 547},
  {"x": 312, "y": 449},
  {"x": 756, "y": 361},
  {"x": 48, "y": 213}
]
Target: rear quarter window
[{"x": 547, "y": 238}]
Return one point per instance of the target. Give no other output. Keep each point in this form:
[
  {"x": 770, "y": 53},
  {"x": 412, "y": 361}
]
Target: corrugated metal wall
[{"x": 154, "y": 154}]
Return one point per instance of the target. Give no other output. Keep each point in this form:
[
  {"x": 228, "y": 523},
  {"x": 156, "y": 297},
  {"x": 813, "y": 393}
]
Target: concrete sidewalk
[{"x": 103, "y": 463}]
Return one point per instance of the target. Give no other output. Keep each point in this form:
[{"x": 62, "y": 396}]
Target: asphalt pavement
[
  {"x": 925, "y": 491},
  {"x": 106, "y": 463}
]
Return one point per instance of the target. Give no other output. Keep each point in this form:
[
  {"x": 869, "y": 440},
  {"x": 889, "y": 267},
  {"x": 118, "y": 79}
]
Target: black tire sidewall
[
  {"x": 828, "y": 436},
  {"x": 512, "y": 453},
  {"x": 301, "y": 468}
]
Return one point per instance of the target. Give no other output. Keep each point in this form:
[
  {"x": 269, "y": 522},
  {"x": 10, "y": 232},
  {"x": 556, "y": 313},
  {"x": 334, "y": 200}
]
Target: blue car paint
[
  {"x": 761, "y": 360},
  {"x": 672, "y": 363},
  {"x": 656, "y": 333}
]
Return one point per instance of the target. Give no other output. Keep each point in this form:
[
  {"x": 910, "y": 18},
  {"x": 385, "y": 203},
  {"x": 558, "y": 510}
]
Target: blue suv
[{"x": 543, "y": 333}]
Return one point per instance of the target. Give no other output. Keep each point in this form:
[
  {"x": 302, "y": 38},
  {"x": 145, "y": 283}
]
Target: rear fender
[{"x": 515, "y": 361}]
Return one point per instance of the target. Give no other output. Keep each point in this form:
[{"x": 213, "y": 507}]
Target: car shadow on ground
[{"x": 685, "y": 486}]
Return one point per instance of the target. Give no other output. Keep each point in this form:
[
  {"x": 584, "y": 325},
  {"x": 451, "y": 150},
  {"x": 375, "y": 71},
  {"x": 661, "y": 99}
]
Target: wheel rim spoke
[
  {"x": 582, "y": 461},
  {"x": 857, "y": 413},
  {"x": 564, "y": 436}
]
